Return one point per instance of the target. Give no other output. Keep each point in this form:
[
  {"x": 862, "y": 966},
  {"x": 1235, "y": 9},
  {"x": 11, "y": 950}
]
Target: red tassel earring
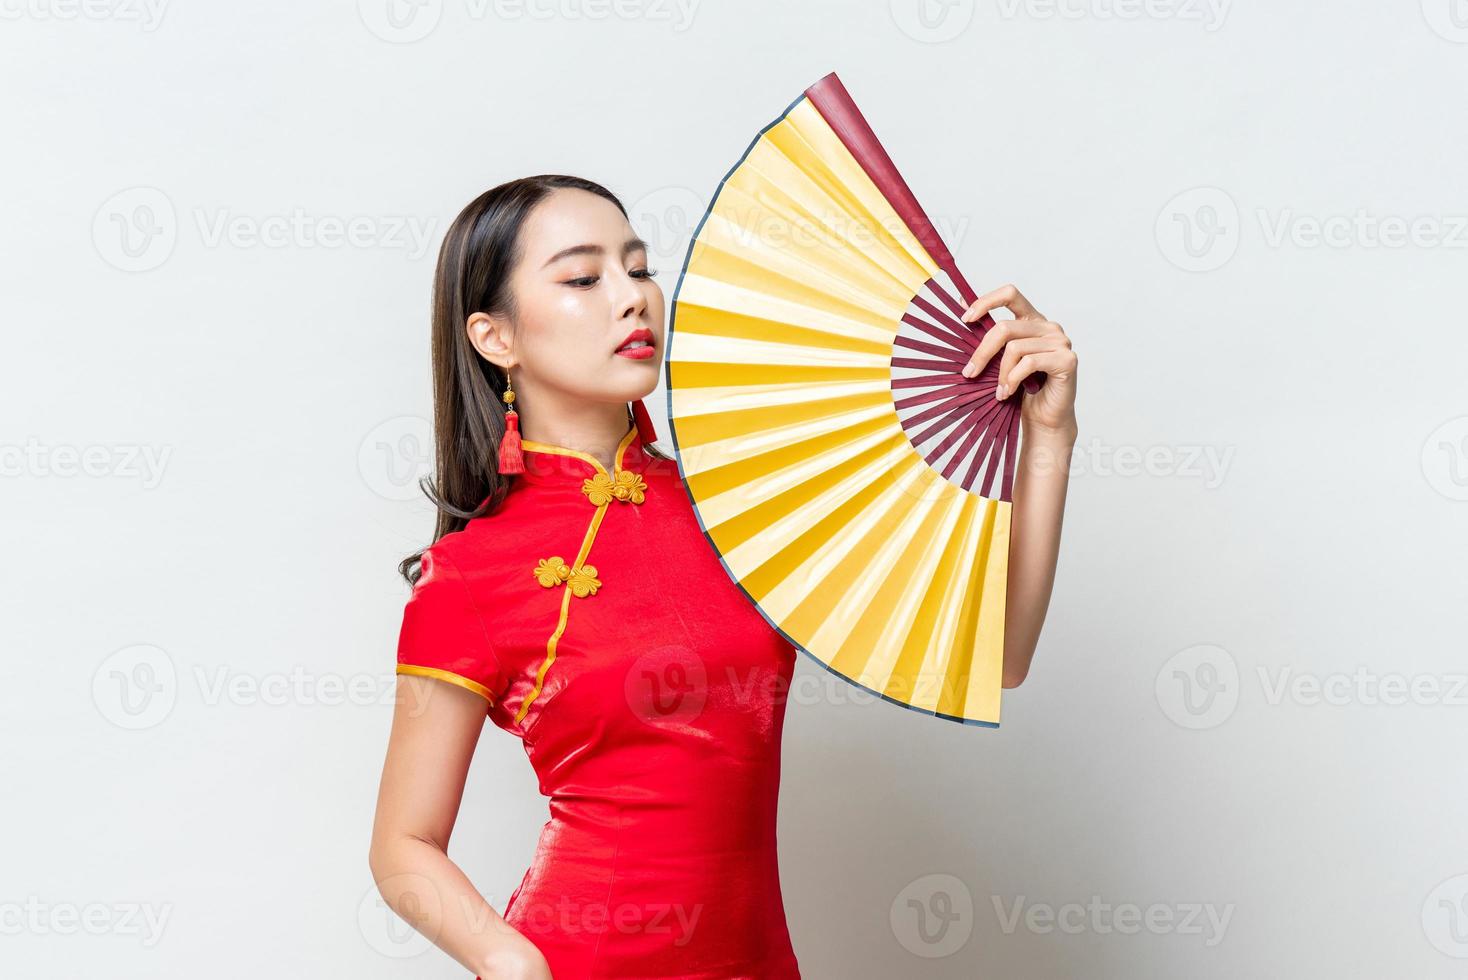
[
  {"x": 645, "y": 431},
  {"x": 511, "y": 459}
]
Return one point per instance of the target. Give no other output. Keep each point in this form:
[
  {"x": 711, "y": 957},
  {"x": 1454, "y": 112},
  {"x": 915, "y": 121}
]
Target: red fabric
[{"x": 655, "y": 735}]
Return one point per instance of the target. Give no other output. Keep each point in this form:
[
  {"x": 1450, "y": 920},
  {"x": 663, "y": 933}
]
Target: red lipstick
[{"x": 637, "y": 345}]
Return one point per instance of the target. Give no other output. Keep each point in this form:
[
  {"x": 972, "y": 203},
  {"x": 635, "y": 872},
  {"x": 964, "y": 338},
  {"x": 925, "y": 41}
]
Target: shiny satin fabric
[{"x": 595, "y": 619}]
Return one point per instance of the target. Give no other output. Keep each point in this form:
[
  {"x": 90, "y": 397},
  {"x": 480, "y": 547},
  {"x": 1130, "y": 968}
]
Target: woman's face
[{"x": 581, "y": 287}]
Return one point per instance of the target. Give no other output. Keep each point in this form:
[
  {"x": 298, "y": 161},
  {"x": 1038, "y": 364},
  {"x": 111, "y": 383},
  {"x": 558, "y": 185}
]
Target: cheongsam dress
[{"x": 595, "y": 619}]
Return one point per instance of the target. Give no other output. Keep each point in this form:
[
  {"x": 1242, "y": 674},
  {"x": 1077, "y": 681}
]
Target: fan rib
[
  {"x": 912, "y": 343},
  {"x": 833, "y": 102}
]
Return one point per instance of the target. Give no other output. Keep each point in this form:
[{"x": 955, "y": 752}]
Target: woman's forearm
[
  {"x": 1041, "y": 476},
  {"x": 1032, "y": 346},
  {"x": 430, "y": 892}
]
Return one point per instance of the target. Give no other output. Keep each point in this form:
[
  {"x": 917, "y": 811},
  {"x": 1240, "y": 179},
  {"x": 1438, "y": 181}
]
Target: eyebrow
[{"x": 628, "y": 247}]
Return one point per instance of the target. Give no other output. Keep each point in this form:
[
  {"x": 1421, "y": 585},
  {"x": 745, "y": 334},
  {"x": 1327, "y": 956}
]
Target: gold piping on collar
[{"x": 545, "y": 447}]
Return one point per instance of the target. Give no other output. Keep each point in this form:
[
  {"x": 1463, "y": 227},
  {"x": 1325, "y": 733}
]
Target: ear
[{"x": 490, "y": 336}]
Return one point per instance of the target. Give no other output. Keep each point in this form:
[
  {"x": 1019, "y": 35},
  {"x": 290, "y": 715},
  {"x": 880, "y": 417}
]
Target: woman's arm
[
  {"x": 1031, "y": 344},
  {"x": 1040, "y": 480},
  {"x": 434, "y": 731}
]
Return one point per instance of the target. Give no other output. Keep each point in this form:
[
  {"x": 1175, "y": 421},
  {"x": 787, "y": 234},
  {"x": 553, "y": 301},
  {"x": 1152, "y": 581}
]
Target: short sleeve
[{"x": 442, "y": 635}]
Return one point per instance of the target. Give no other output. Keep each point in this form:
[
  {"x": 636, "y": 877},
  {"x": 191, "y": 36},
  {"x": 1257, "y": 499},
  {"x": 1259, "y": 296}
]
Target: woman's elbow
[
  {"x": 384, "y": 855},
  {"x": 1014, "y": 672},
  {"x": 376, "y": 861}
]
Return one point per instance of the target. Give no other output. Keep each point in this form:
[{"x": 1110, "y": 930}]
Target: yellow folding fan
[{"x": 854, "y": 483}]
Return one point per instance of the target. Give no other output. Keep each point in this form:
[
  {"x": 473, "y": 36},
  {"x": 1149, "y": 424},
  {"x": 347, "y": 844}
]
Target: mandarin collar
[{"x": 548, "y": 463}]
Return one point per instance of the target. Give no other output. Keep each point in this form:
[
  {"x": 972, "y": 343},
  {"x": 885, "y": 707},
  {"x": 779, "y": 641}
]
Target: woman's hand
[
  {"x": 435, "y": 729},
  {"x": 1031, "y": 344}
]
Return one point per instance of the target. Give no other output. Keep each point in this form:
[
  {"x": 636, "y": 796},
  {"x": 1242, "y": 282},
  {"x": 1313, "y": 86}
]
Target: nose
[{"x": 631, "y": 300}]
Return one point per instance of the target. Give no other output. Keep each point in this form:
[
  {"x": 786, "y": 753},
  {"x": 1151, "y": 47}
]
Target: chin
[
  {"x": 629, "y": 389},
  {"x": 651, "y": 365}
]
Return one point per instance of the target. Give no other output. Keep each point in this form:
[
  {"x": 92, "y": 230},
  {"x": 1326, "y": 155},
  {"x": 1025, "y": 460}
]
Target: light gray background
[{"x": 1248, "y": 698}]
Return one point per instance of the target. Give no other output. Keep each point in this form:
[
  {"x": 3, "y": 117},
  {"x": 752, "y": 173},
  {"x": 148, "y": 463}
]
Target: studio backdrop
[{"x": 1239, "y": 750}]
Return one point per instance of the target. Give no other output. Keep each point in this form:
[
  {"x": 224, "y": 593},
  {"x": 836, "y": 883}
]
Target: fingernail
[
  {"x": 968, "y": 370},
  {"x": 1001, "y": 392}
]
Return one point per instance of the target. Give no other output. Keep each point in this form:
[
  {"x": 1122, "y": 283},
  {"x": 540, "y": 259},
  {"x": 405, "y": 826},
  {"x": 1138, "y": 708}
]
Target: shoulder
[
  {"x": 444, "y": 634},
  {"x": 477, "y": 553}
]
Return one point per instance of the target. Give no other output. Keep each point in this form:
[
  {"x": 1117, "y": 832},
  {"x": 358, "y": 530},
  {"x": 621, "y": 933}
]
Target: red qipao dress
[{"x": 596, "y": 621}]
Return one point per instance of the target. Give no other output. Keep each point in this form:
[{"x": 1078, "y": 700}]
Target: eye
[
  {"x": 582, "y": 281},
  {"x": 644, "y": 273}
]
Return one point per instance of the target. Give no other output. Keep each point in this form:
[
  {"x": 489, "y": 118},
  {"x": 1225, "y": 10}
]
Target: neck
[{"x": 594, "y": 428}]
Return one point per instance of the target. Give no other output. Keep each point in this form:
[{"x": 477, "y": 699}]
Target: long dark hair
[{"x": 478, "y": 254}]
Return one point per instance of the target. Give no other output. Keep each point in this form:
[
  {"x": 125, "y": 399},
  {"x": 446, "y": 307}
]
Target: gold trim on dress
[
  {"x": 438, "y": 673},
  {"x": 545, "y": 447},
  {"x": 579, "y": 578}
]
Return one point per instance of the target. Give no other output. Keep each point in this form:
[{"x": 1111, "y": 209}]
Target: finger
[
  {"x": 1051, "y": 362},
  {"x": 1000, "y": 334},
  {"x": 1007, "y": 296},
  {"x": 1016, "y": 349}
]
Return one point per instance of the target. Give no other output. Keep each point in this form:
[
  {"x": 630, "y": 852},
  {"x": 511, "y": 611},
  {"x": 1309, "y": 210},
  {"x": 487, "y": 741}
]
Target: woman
[{"x": 570, "y": 596}]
